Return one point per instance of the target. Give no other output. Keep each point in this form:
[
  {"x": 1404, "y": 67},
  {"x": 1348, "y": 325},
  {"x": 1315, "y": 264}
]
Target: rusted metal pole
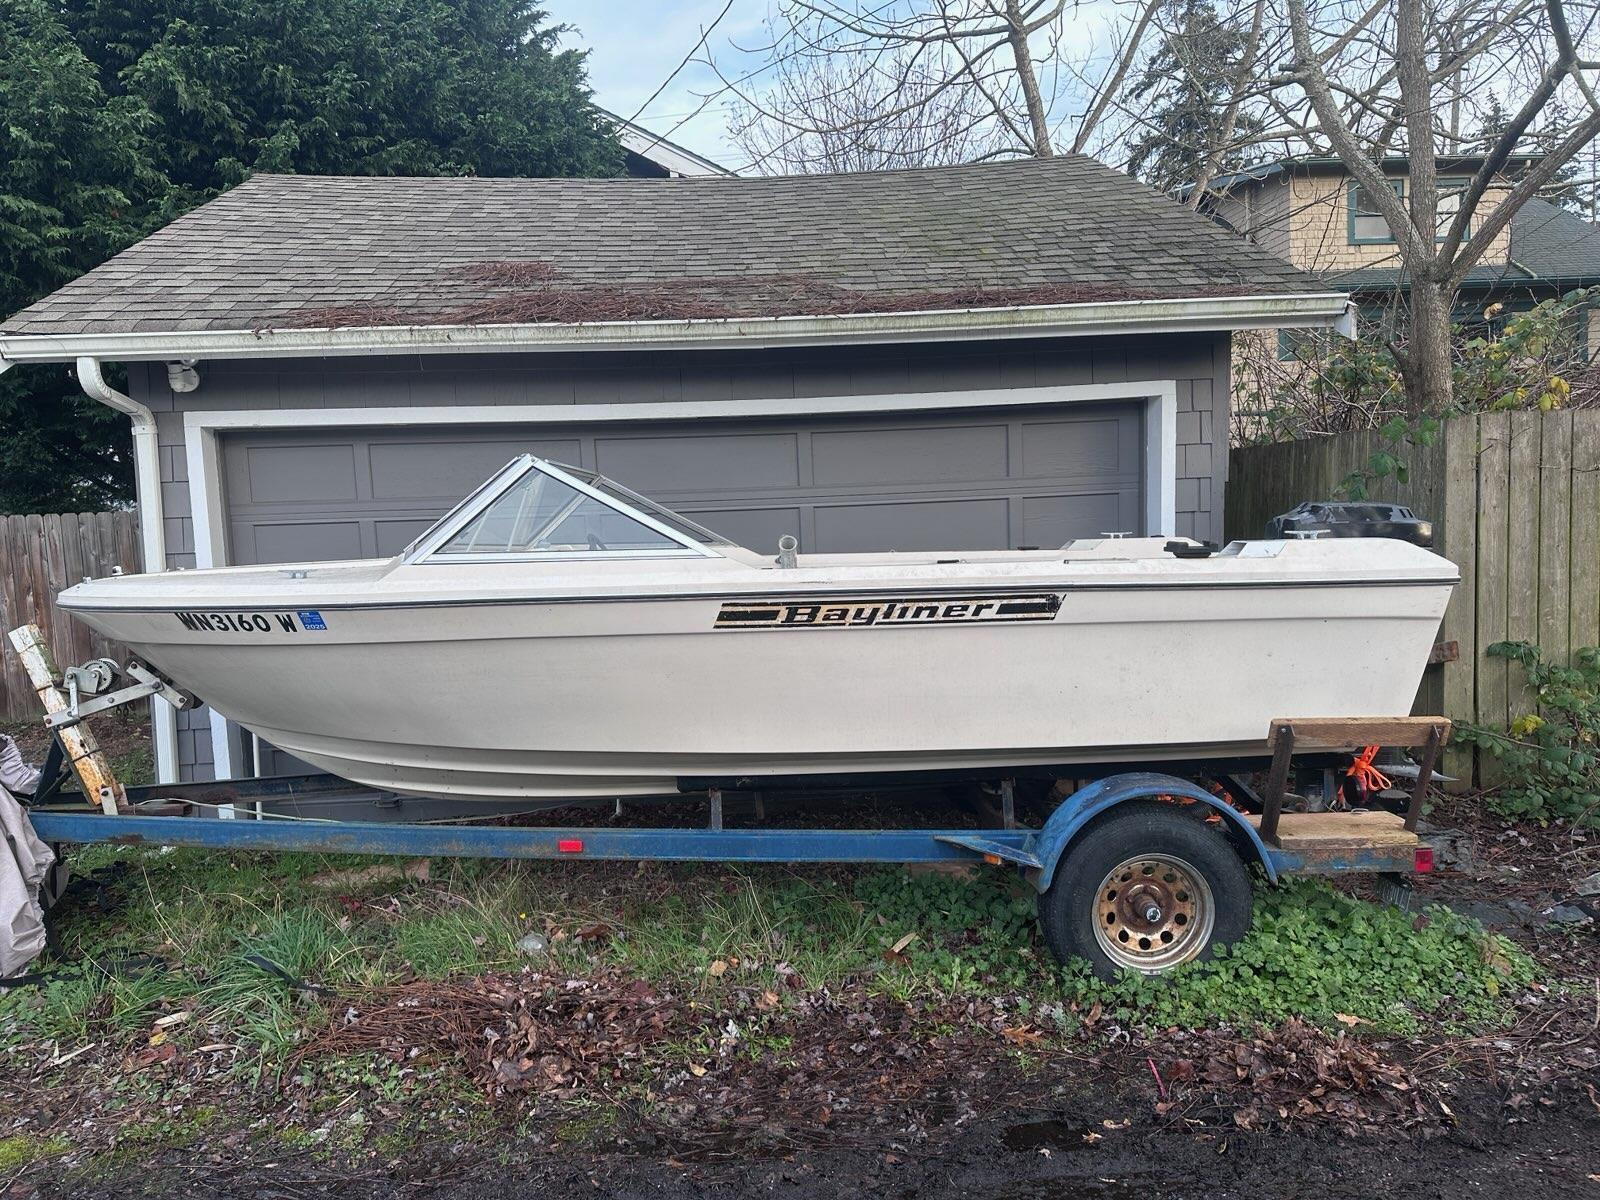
[
  {"x": 99, "y": 785},
  {"x": 1282, "y": 738},
  {"x": 1430, "y": 757}
]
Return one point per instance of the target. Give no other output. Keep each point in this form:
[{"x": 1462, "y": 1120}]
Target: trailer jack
[{"x": 81, "y": 692}]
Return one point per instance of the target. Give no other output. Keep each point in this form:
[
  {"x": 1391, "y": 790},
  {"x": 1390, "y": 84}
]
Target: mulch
[{"x": 534, "y": 292}]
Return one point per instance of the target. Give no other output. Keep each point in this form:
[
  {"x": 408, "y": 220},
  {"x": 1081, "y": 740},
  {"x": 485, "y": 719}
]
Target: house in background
[
  {"x": 1311, "y": 213},
  {"x": 651, "y": 156},
  {"x": 955, "y": 358}
]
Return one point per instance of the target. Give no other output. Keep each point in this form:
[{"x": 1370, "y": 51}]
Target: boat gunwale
[{"x": 898, "y": 591}]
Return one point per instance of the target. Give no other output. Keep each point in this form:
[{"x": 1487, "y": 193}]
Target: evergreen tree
[
  {"x": 118, "y": 115},
  {"x": 76, "y": 186},
  {"x": 1185, "y": 87}
]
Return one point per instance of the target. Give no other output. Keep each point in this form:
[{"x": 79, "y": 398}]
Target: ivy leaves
[{"x": 1551, "y": 757}]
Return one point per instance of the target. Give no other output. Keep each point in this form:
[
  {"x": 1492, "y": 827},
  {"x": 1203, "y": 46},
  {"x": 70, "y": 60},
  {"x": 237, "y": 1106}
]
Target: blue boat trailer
[{"x": 1035, "y": 852}]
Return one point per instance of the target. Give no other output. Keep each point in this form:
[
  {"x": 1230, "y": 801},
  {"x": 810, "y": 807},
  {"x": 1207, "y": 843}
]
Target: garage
[{"x": 1025, "y": 476}]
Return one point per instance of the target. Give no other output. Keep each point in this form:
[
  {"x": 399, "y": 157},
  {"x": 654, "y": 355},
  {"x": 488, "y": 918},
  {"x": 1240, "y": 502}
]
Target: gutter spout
[
  {"x": 1345, "y": 326},
  {"x": 146, "y": 459},
  {"x": 152, "y": 528}
]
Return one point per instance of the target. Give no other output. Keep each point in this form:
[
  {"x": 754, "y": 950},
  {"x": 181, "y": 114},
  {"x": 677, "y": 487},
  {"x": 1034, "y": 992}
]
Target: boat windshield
[{"x": 548, "y": 509}]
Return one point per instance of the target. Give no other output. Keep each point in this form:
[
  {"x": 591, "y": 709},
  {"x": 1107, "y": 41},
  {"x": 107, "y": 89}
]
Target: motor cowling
[{"x": 1350, "y": 518}]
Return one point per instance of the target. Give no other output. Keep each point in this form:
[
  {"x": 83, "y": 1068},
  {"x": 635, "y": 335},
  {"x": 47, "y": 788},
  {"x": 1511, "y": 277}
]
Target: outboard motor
[{"x": 1348, "y": 518}]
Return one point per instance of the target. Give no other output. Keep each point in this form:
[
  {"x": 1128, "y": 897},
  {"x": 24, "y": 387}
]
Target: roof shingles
[{"x": 287, "y": 251}]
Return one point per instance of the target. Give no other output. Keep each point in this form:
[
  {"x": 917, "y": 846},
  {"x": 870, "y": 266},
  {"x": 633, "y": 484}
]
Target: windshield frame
[{"x": 428, "y": 548}]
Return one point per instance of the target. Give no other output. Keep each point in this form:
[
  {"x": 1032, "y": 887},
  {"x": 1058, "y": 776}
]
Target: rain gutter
[
  {"x": 1105, "y": 318},
  {"x": 152, "y": 529}
]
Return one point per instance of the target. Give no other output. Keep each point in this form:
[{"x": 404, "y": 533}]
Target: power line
[{"x": 705, "y": 32}]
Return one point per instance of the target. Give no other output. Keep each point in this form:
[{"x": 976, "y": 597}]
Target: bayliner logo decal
[{"x": 829, "y": 612}]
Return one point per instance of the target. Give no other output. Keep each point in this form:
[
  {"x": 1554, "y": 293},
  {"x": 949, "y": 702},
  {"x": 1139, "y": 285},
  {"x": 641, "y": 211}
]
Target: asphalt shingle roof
[
  {"x": 284, "y": 251},
  {"x": 1549, "y": 245}
]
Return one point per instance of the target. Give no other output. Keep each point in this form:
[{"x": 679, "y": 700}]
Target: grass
[
  {"x": 188, "y": 922},
  {"x": 18, "y": 1152}
]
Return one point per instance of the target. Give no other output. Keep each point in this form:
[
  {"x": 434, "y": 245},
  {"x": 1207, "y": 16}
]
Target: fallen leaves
[
  {"x": 1297, "y": 1073},
  {"x": 896, "y": 954},
  {"x": 1022, "y": 1035},
  {"x": 515, "y": 1032}
]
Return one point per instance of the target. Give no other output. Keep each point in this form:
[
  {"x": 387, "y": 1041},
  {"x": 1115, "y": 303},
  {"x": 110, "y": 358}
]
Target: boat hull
[{"x": 625, "y": 697}]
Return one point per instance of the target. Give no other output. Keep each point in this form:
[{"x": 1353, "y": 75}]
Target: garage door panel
[
  {"x": 1079, "y": 448},
  {"x": 911, "y": 481},
  {"x": 300, "y": 541},
  {"x": 661, "y": 466},
  {"x": 920, "y": 525},
  {"x": 394, "y": 536},
  {"x": 301, "y": 473},
  {"x": 448, "y": 470},
  {"x": 913, "y": 454},
  {"x": 1051, "y": 521},
  {"x": 757, "y": 528}
]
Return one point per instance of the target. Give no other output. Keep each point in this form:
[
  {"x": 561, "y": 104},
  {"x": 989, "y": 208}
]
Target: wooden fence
[
  {"x": 40, "y": 555},
  {"x": 1515, "y": 500}
]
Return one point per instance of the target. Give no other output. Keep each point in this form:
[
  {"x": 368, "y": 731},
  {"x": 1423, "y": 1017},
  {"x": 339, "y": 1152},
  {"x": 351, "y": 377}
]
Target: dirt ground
[{"x": 1100, "y": 1143}]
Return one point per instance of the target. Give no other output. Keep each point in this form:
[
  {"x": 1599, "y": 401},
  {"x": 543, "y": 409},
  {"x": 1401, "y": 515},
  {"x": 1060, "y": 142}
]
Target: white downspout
[{"x": 152, "y": 531}]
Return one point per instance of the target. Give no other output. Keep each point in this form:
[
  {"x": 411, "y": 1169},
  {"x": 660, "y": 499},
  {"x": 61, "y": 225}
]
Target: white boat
[{"x": 556, "y": 635}]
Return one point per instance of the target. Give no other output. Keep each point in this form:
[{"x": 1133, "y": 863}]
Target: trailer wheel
[{"x": 1151, "y": 886}]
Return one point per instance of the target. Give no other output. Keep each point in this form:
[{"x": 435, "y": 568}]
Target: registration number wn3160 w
[{"x": 303, "y": 620}]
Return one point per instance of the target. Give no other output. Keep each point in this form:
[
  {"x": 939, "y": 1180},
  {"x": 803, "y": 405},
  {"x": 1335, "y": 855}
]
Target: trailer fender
[{"x": 1084, "y": 805}]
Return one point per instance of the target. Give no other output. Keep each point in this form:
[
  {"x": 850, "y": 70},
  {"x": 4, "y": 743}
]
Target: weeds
[
  {"x": 1550, "y": 757},
  {"x": 192, "y": 929}
]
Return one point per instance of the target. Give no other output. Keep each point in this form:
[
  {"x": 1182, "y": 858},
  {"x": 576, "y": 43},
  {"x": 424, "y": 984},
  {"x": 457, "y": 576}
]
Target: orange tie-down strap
[{"x": 1362, "y": 771}]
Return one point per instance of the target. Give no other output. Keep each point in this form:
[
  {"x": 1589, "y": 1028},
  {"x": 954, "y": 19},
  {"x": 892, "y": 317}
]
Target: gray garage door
[{"x": 927, "y": 481}]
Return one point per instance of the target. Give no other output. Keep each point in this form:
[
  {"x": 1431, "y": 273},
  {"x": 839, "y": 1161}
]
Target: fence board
[
  {"x": 1457, "y": 532},
  {"x": 1494, "y": 506},
  {"x": 1522, "y": 534},
  {"x": 40, "y": 555},
  {"x": 1555, "y": 535},
  {"x": 1583, "y": 627}
]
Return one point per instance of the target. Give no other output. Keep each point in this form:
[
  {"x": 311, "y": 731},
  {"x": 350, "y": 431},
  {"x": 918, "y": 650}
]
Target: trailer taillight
[
  {"x": 574, "y": 846},
  {"x": 1422, "y": 859}
]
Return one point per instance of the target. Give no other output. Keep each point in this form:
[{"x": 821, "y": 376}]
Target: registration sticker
[{"x": 311, "y": 619}]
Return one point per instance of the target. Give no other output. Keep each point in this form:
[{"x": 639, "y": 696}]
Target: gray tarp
[{"x": 24, "y": 861}]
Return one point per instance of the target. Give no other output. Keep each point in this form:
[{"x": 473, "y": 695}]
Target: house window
[
  {"x": 1450, "y": 193},
  {"x": 1301, "y": 345},
  {"x": 1367, "y": 226}
]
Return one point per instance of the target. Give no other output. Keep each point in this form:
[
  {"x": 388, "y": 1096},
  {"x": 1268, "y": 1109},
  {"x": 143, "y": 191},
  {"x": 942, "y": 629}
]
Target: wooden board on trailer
[{"x": 1342, "y": 733}]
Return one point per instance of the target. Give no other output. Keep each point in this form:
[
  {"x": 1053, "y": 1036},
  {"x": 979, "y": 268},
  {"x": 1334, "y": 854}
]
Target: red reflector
[
  {"x": 574, "y": 846},
  {"x": 1422, "y": 860}
]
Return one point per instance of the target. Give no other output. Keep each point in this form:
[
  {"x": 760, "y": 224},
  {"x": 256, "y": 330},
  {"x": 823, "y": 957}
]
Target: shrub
[
  {"x": 1551, "y": 757},
  {"x": 1312, "y": 952}
]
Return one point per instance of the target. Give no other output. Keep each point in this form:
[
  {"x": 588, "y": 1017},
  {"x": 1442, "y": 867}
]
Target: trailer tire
[{"x": 1146, "y": 888}]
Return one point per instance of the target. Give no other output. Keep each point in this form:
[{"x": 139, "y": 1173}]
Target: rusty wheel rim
[{"x": 1153, "y": 912}]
